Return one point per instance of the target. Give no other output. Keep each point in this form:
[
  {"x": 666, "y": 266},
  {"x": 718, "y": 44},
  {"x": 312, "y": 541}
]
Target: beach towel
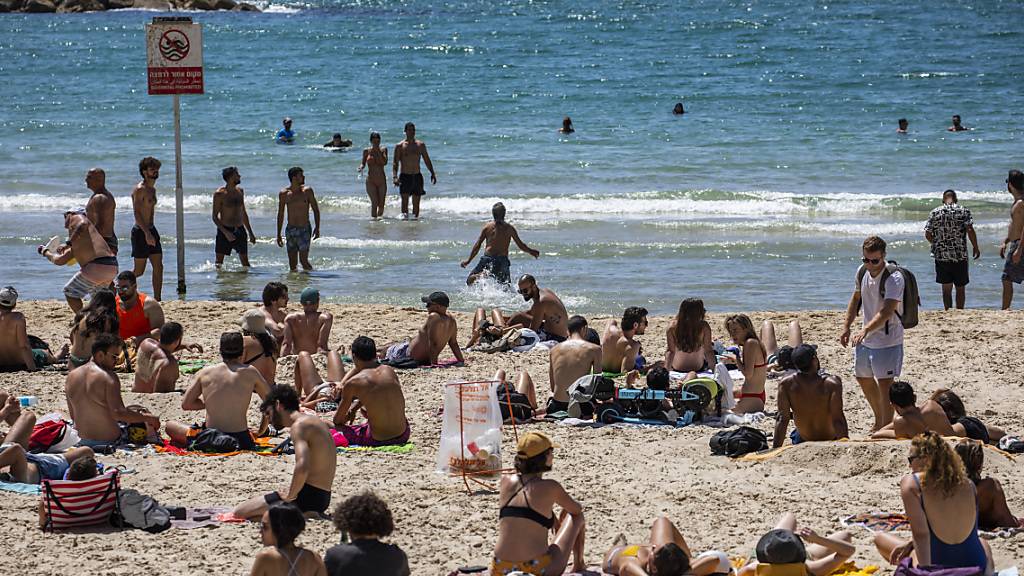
[
  {"x": 762, "y": 456},
  {"x": 192, "y": 366},
  {"x": 19, "y": 488},
  {"x": 205, "y": 516},
  {"x": 393, "y": 449},
  {"x": 877, "y": 521},
  {"x": 263, "y": 448}
]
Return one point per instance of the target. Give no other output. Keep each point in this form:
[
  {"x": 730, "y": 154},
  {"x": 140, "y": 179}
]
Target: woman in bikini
[
  {"x": 526, "y": 516},
  {"x": 376, "y": 180},
  {"x": 942, "y": 505},
  {"x": 97, "y": 317},
  {"x": 260, "y": 349},
  {"x": 690, "y": 348},
  {"x": 753, "y": 361},
  {"x": 964, "y": 425},
  {"x": 993, "y": 512},
  {"x": 280, "y": 525},
  {"x": 665, "y": 554}
]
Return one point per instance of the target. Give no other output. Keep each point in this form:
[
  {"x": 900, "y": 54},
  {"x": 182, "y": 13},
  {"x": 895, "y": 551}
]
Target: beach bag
[
  {"x": 52, "y": 434},
  {"x": 911, "y": 296},
  {"x": 73, "y": 503},
  {"x": 140, "y": 511},
  {"x": 213, "y": 441},
  {"x": 906, "y": 568},
  {"x": 470, "y": 429},
  {"x": 508, "y": 341},
  {"x": 519, "y": 403},
  {"x": 1012, "y": 444},
  {"x": 735, "y": 443},
  {"x": 587, "y": 392}
]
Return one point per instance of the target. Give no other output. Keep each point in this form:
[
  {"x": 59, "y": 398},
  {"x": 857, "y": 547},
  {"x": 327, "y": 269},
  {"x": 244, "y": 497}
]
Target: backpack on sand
[
  {"x": 911, "y": 296},
  {"x": 735, "y": 443}
]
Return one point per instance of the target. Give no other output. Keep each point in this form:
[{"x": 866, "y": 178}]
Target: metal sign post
[{"x": 174, "y": 58}]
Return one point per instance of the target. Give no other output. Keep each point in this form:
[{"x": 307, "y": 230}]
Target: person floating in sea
[
  {"x": 957, "y": 126},
  {"x": 376, "y": 180},
  {"x": 903, "y": 124},
  {"x": 410, "y": 183},
  {"x": 498, "y": 235},
  {"x": 566, "y": 126},
  {"x": 231, "y": 219},
  {"x": 679, "y": 110},
  {"x": 101, "y": 206},
  {"x": 285, "y": 135},
  {"x": 337, "y": 143},
  {"x": 145, "y": 238},
  {"x": 87, "y": 246},
  {"x": 299, "y": 199},
  {"x": 947, "y": 230},
  {"x": 1012, "y": 247}
]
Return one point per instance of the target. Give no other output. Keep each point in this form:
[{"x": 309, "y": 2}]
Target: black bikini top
[{"x": 525, "y": 512}]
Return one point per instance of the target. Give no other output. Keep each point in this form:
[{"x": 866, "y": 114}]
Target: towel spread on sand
[
  {"x": 884, "y": 522},
  {"x": 18, "y": 487},
  {"x": 263, "y": 448},
  {"x": 848, "y": 569},
  {"x": 211, "y": 516},
  {"x": 393, "y": 449},
  {"x": 192, "y": 366}
]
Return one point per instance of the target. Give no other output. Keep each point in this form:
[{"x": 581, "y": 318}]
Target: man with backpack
[{"x": 878, "y": 346}]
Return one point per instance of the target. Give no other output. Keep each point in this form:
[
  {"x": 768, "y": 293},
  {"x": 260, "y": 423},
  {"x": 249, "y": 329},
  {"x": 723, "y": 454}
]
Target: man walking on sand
[
  {"x": 145, "y": 238},
  {"x": 498, "y": 235},
  {"x": 878, "y": 353},
  {"x": 947, "y": 230},
  {"x": 101, "y": 207},
  {"x": 1012, "y": 247},
  {"x": 298, "y": 199},
  {"x": 231, "y": 219},
  {"x": 410, "y": 183}
]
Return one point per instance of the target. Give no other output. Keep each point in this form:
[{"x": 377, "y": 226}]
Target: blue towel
[{"x": 31, "y": 489}]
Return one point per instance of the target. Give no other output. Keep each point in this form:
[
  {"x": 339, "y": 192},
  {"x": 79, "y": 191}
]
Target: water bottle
[{"x": 27, "y": 401}]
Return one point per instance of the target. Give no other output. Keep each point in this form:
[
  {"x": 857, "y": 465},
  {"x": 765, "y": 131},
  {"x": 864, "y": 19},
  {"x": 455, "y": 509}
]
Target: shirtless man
[
  {"x": 1012, "y": 248},
  {"x": 910, "y": 419},
  {"x": 439, "y": 330},
  {"x": 231, "y": 219},
  {"x": 620, "y": 351},
  {"x": 145, "y": 238},
  {"x": 375, "y": 390},
  {"x": 316, "y": 457},
  {"x": 569, "y": 361},
  {"x": 814, "y": 401},
  {"x": 275, "y": 300},
  {"x": 299, "y": 199},
  {"x": 498, "y": 235},
  {"x": 15, "y": 351},
  {"x": 410, "y": 183},
  {"x": 957, "y": 126},
  {"x": 309, "y": 330},
  {"x": 87, "y": 246},
  {"x": 156, "y": 367},
  {"x": 94, "y": 399},
  {"x": 224, "y": 390},
  {"x": 101, "y": 206},
  {"x": 547, "y": 316}
]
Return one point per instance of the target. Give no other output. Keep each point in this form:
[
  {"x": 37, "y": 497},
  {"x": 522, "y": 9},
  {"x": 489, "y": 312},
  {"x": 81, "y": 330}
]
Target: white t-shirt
[{"x": 891, "y": 333}]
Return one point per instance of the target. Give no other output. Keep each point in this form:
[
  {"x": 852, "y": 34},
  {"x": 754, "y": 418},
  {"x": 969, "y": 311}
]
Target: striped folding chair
[{"x": 73, "y": 503}]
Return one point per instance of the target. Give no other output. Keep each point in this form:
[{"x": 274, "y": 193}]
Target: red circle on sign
[{"x": 174, "y": 45}]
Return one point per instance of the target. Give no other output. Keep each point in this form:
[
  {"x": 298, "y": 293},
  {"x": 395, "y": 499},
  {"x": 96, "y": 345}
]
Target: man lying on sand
[
  {"x": 157, "y": 368},
  {"x": 439, "y": 330},
  {"x": 224, "y": 390},
  {"x": 28, "y": 468},
  {"x": 374, "y": 390},
  {"x": 910, "y": 419},
  {"x": 309, "y": 330},
  {"x": 547, "y": 316},
  {"x": 665, "y": 552},
  {"x": 569, "y": 361},
  {"x": 620, "y": 351},
  {"x": 316, "y": 457},
  {"x": 812, "y": 399}
]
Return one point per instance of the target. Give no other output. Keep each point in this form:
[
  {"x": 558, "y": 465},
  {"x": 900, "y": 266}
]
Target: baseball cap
[
  {"x": 436, "y": 298},
  {"x": 781, "y": 546},
  {"x": 533, "y": 444},
  {"x": 254, "y": 321},
  {"x": 803, "y": 356},
  {"x": 309, "y": 295},
  {"x": 231, "y": 344},
  {"x": 8, "y": 296}
]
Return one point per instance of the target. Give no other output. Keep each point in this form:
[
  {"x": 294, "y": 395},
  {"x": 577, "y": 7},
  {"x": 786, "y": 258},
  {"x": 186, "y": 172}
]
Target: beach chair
[{"x": 74, "y": 503}]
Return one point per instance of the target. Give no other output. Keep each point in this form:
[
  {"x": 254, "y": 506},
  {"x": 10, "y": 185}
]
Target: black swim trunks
[
  {"x": 521, "y": 409},
  {"x": 411, "y": 184},
  {"x": 955, "y": 273},
  {"x": 245, "y": 441},
  {"x": 140, "y": 249},
  {"x": 974, "y": 428},
  {"x": 112, "y": 243},
  {"x": 556, "y": 406},
  {"x": 310, "y": 499},
  {"x": 225, "y": 246}
]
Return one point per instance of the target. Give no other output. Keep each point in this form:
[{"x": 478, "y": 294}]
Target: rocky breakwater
[{"x": 42, "y": 6}]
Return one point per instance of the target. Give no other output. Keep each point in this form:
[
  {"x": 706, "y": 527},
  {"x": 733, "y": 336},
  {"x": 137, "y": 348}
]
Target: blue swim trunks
[
  {"x": 496, "y": 266},
  {"x": 297, "y": 238}
]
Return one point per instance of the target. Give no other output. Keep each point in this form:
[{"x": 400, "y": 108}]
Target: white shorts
[{"x": 878, "y": 363}]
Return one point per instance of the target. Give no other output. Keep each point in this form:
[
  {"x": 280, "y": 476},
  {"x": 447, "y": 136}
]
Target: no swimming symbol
[{"x": 174, "y": 45}]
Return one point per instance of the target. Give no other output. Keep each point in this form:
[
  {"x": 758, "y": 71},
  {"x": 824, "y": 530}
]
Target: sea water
[{"x": 757, "y": 198}]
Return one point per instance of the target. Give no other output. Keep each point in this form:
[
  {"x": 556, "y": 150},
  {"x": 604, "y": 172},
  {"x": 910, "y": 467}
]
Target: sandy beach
[{"x": 624, "y": 477}]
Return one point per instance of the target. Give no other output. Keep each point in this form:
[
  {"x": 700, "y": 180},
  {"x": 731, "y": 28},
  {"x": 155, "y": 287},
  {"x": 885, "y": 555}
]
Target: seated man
[
  {"x": 547, "y": 316},
  {"x": 814, "y": 401},
  {"x": 94, "y": 399},
  {"x": 28, "y": 468},
  {"x": 439, "y": 330},
  {"x": 157, "y": 368},
  {"x": 363, "y": 520},
  {"x": 665, "y": 552},
  {"x": 569, "y": 361},
  {"x": 224, "y": 390},
  {"x": 275, "y": 299},
  {"x": 374, "y": 389},
  {"x": 316, "y": 457},
  {"x": 15, "y": 351},
  {"x": 620, "y": 351},
  {"x": 910, "y": 419},
  {"x": 139, "y": 316},
  {"x": 309, "y": 330}
]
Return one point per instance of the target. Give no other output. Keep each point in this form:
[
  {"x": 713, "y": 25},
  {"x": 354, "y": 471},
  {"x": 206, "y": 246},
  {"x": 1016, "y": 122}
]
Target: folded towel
[{"x": 392, "y": 449}]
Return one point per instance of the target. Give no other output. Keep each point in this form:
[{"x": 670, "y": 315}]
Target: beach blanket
[
  {"x": 394, "y": 449},
  {"x": 263, "y": 448},
  {"x": 19, "y": 488},
  {"x": 885, "y": 522},
  {"x": 192, "y": 366},
  {"x": 414, "y": 365}
]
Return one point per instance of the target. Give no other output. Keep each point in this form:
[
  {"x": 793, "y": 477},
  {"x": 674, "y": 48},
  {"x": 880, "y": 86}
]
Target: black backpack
[
  {"x": 735, "y": 443},
  {"x": 214, "y": 441}
]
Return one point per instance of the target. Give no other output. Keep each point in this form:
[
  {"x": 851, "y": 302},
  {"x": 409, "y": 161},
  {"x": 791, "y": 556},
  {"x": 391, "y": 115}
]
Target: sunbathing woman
[
  {"x": 941, "y": 503},
  {"x": 99, "y": 316},
  {"x": 280, "y": 525},
  {"x": 664, "y": 554},
  {"x": 753, "y": 361},
  {"x": 525, "y": 516},
  {"x": 781, "y": 552},
  {"x": 964, "y": 425},
  {"x": 690, "y": 348},
  {"x": 993, "y": 513},
  {"x": 780, "y": 363},
  {"x": 259, "y": 347}
]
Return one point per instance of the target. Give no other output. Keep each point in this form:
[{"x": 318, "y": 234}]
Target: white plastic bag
[{"x": 475, "y": 446}]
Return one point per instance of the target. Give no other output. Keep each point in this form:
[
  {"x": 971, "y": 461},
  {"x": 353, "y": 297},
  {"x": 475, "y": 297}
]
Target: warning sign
[{"x": 174, "y": 55}]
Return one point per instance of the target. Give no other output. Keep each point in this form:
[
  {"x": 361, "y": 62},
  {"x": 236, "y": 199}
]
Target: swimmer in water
[{"x": 566, "y": 126}]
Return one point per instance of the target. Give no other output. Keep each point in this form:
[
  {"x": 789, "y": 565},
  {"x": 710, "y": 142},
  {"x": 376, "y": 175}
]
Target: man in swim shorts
[
  {"x": 620, "y": 350},
  {"x": 101, "y": 207},
  {"x": 439, "y": 330},
  {"x": 231, "y": 219},
  {"x": 316, "y": 457},
  {"x": 299, "y": 200},
  {"x": 947, "y": 230},
  {"x": 156, "y": 367},
  {"x": 309, "y": 330},
  {"x": 407, "y": 158},
  {"x": 813, "y": 400},
  {"x": 498, "y": 235},
  {"x": 145, "y": 238},
  {"x": 569, "y": 361},
  {"x": 373, "y": 389},
  {"x": 87, "y": 246},
  {"x": 1012, "y": 248},
  {"x": 28, "y": 468}
]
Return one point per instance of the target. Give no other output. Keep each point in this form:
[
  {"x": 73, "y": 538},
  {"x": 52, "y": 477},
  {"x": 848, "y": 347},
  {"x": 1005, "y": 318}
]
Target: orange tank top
[{"x": 133, "y": 322}]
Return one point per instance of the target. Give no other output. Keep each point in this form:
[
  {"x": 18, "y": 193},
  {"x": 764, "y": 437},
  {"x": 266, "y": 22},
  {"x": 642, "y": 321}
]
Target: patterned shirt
[{"x": 948, "y": 226}]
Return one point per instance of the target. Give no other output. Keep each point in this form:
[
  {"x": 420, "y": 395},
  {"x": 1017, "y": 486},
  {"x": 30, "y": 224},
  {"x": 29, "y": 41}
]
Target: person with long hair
[
  {"x": 526, "y": 516},
  {"x": 942, "y": 505},
  {"x": 376, "y": 180},
  {"x": 259, "y": 347},
  {"x": 753, "y": 361},
  {"x": 99, "y": 316},
  {"x": 964, "y": 425},
  {"x": 993, "y": 512},
  {"x": 690, "y": 348},
  {"x": 280, "y": 525}
]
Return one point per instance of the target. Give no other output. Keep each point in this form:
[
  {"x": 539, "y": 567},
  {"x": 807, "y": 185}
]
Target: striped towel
[{"x": 71, "y": 503}]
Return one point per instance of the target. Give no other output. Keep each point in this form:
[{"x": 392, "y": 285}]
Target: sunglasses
[
  {"x": 871, "y": 260},
  {"x": 523, "y": 292},
  {"x": 125, "y": 288}
]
